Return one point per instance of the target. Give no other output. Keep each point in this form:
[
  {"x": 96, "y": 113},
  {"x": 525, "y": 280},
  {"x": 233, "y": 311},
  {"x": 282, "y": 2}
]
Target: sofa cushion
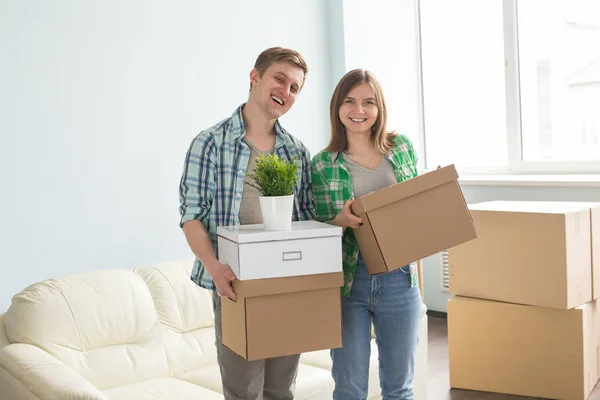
[
  {"x": 185, "y": 314},
  {"x": 312, "y": 383},
  {"x": 102, "y": 324},
  {"x": 182, "y": 306},
  {"x": 23, "y": 366},
  {"x": 190, "y": 350},
  {"x": 208, "y": 377},
  {"x": 160, "y": 389}
]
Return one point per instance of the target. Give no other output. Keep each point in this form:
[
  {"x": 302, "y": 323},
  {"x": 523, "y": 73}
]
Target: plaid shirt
[
  {"x": 332, "y": 187},
  {"x": 213, "y": 180}
]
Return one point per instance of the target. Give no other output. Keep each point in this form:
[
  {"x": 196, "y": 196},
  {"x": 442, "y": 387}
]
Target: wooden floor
[{"x": 438, "y": 381}]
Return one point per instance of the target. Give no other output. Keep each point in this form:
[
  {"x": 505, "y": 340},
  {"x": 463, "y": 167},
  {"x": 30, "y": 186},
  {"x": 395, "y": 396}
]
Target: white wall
[
  {"x": 382, "y": 37},
  {"x": 98, "y": 103}
]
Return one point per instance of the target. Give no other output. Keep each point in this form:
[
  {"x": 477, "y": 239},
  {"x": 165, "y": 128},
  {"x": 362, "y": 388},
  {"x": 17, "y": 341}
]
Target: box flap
[
  {"x": 404, "y": 189},
  {"x": 370, "y": 248},
  {"x": 234, "y": 326},
  {"x": 256, "y": 232},
  {"x": 270, "y": 286}
]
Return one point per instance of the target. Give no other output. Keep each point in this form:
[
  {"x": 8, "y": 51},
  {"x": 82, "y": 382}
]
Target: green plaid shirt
[
  {"x": 213, "y": 177},
  {"x": 332, "y": 188}
]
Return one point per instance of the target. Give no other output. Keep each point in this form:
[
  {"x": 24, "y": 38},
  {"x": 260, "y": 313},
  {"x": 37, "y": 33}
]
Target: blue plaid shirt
[{"x": 212, "y": 183}]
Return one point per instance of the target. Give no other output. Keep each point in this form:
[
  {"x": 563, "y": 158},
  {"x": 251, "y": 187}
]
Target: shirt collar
[
  {"x": 334, "y": 156},
  {"x": 239, "y": 128}
]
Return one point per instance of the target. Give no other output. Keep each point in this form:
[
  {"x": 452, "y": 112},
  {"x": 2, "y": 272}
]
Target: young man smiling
[{"x": 214, "y": 192}]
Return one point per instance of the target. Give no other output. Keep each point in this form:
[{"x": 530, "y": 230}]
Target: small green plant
[{"x": 274, "y": 176}]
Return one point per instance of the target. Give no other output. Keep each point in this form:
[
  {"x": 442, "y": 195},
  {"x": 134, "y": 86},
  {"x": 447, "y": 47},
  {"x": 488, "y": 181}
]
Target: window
[
  {"x": 382, "y": 36},
  {"x": 490, "y": 86},
  {"x": 464, "y": 101},
  {"x": 511, "y": 84},
  {"x": 559, "y": 70}
]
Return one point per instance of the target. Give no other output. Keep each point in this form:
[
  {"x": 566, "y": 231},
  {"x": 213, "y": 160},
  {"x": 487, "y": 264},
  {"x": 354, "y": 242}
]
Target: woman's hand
[{"x": 346, "y": 218}]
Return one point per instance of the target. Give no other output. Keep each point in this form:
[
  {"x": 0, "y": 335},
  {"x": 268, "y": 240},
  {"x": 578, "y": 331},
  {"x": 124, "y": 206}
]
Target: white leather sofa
[{"x": 142, "y": 334}]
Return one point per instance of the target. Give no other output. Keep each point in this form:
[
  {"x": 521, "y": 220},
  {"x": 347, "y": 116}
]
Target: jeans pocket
[{"x": 405, "y": 269}]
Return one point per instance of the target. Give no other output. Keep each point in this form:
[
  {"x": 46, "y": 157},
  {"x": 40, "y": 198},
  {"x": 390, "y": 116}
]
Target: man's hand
[
  {"x": 222, "y": 275},
  {"x": 346, "y": 218}
]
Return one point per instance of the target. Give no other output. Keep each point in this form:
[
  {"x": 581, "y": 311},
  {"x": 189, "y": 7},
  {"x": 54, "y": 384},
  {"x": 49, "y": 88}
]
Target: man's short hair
[{"x": 276, "y": 55}]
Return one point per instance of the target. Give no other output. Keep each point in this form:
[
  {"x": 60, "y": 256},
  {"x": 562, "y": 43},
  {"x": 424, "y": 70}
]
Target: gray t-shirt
[
  {"x": 367, "y": 180},
  {"x": 250, "y": 206}
]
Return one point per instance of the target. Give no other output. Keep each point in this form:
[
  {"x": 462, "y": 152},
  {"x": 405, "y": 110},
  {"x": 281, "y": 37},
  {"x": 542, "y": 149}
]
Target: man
[{"x": 214, "y": 192}]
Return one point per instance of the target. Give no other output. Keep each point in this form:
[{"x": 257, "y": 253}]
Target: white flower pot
[{"x": 277, "y": 212}]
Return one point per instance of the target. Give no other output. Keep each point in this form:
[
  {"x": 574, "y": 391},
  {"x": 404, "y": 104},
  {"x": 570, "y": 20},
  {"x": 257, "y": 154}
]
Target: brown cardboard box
[
  {"x": 282, "y": 316},
  {"x": 288, "y": 289},
  {"x": 526, "y": 253},
  {"x": 412, "y": 220},
  {"x": 523, "y": 350},
  {"x": 595, "y": 239}
]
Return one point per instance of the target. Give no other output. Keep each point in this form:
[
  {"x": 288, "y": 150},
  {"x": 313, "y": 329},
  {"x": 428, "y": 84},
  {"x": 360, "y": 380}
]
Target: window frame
[{"x": 516, "y": 163}]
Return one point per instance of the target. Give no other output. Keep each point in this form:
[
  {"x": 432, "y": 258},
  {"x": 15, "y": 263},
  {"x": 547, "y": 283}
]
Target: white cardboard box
[{"x": 308, "y": 248}]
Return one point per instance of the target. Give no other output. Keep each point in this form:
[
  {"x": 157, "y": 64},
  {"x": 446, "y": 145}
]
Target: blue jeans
[{"x": 395, "y": 309}]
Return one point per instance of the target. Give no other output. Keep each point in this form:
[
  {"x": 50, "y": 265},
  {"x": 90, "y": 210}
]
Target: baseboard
[{"x": 437, "y": 314}]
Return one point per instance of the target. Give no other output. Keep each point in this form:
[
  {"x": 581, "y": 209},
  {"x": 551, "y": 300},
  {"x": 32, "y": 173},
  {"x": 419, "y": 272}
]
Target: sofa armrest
[
  {"x": 3, "y": 338},
  {"x": 28, "y": 369}
]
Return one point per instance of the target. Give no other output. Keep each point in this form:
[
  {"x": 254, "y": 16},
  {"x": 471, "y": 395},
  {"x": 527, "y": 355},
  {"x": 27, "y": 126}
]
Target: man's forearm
[{"x": 200, "y": 244}]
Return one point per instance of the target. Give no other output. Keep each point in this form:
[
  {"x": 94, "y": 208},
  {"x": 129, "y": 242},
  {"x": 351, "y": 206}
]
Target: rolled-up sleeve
[{"x": 197, "y": 186}]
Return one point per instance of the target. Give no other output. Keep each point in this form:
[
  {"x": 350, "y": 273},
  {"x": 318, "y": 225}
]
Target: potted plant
[{"x": 275, "y": 179}]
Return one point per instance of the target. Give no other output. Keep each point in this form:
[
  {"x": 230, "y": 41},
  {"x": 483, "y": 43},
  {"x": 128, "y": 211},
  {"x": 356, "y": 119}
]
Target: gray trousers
[{"x": 270, "y": 379}]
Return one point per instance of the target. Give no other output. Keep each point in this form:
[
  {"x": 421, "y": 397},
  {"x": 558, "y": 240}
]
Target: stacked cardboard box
[
  {"x": 525, "y": 319},
  {"x": 288, "y": 288}
]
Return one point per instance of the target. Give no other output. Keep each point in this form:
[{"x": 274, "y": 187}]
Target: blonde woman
[{"x": 363, "y": 157}]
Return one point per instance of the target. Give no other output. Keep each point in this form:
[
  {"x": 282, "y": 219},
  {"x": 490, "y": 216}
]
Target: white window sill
[{"x": 589, "y": 180}]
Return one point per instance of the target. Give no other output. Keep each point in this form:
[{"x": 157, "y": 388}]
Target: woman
[{"x": 363, "y": 157}]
